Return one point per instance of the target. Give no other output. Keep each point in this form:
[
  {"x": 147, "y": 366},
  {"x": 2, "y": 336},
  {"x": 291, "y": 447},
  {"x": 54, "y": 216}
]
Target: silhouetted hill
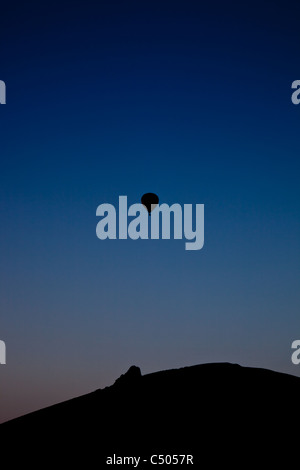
[{"x": 222, "y": 414}]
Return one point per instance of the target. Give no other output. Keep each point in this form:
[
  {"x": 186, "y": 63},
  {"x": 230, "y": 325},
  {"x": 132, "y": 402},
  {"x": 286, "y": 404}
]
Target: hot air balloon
[{"x": 150, "y": 201}]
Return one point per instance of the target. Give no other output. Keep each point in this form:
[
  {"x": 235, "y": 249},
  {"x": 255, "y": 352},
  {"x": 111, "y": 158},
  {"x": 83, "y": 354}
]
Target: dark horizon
[
  {"x": 134, "y": 372},
  {"x": 215, "y": 413}
]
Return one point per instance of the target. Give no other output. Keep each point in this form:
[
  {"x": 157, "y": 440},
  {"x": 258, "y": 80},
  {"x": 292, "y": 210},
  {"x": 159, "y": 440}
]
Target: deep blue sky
[{"x": 186, "y": 99}]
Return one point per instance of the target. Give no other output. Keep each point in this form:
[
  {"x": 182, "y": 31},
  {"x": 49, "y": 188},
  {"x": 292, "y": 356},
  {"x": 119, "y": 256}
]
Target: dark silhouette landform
[{"x": 222, "y": 414}]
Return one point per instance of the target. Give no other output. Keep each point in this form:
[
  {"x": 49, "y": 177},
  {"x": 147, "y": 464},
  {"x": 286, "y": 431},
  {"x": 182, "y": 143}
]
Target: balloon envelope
[{"x": 150, "y": 201}]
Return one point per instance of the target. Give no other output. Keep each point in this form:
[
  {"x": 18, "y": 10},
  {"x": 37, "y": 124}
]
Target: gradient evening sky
[{"x": 187, "y": 99}]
